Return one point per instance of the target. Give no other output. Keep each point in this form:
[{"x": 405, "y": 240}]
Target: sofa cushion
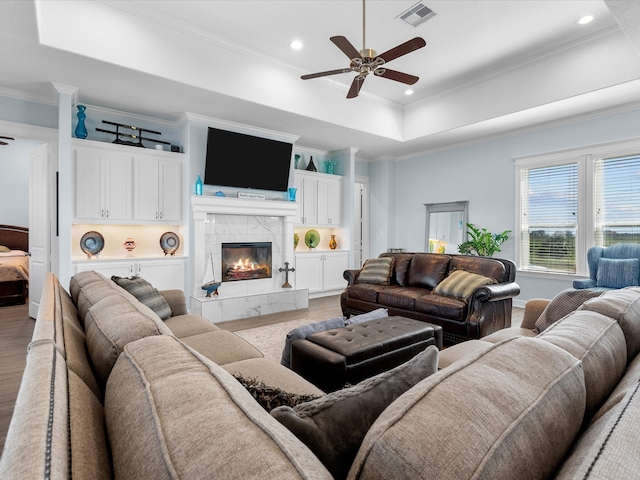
[
  {"x": 563, "y": 304},
  {"x": 403, "y": 298},
  {"x": 624, "y": 307},
  {"x": 461, "y": 284},
  {"x": 270, "y": 397},
  {"x": 377, "y": 271},
  {"x": 274, "y": 374},
  {"x": 401, "y": 267},
  {"x": 333, "y": 426},
  {"x": 511, "y": 411},
  {"x": 171, "y": 413},
  {"x": 427, "y": 270},
  {"x": 365, "y": 292},
  {"x": 617, "y": 272},
  {"x": 599, "y": 343},
  {"x": 145, "y": 293},
  {"x": 222, "y": 346},
  {"x": 304, "y": 331},
  {"x": 488, "y": 267},
  {"x": 88, "y": 288},
  {"x": 624, "y": 386},
  {"x": 609, "y": 448},
  {"x": 112, "y": 323},
  {"x": 444, "y": 307},
  {"x": 189, "y": 324}
]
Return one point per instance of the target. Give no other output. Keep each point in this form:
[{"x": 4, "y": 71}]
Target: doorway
[{"x": 361, "y": 221}]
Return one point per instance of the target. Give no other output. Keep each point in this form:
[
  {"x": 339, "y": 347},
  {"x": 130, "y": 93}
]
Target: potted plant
[{"x": 483, "y": 243}]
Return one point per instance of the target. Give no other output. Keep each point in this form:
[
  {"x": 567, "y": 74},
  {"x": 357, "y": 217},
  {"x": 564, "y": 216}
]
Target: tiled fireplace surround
[{"x": 220, "y": 220}]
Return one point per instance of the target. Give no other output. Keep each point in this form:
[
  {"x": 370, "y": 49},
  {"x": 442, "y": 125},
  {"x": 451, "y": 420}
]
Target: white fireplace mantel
[{"x": 205, "y": 206}]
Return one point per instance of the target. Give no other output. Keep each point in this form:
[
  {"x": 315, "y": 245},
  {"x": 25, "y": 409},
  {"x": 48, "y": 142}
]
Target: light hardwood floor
[{"x": 16, "y": 330}]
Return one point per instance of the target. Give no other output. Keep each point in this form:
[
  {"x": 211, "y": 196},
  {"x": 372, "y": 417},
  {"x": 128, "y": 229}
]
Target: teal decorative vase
[
  {"x": 198, "y": 185},
  {"x": 81, "y": 129}
]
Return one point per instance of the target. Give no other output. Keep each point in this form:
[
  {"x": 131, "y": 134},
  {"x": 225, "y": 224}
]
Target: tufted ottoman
[{"x": 333, "y": 358}]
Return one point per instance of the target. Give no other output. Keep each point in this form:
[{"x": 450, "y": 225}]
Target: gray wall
[{"x": 483, "y": 174}]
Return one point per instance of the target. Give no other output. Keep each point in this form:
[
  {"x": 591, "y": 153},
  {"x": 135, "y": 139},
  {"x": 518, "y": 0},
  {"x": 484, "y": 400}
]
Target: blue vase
[
  {"x": 81, "y": 129},
  {"x": 198, "y": 185}
]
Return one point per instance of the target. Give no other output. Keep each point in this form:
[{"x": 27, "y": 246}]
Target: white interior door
[
  {"x": 39, "y": 221},
  {"x": 361, "y": 220}
]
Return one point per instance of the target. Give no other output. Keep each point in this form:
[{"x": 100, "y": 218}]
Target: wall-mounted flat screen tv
[{"x": 244, "y": 161}]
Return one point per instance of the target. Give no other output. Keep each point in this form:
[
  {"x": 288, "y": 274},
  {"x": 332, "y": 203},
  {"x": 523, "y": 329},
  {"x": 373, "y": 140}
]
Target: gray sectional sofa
[{"x": 563, "y": 404}]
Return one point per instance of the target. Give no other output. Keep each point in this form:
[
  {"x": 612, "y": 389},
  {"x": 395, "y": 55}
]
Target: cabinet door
[
  {"x": 334, "y": 266},
  {"x": 120, "y": 269},
  {"x": 309, "y": 272},
  {"x": 89, "y": 188},
  {"x": 163, "y": 275},
  {"x": 299, "y": 182},
  {"x": 170, "y": 191},
  {"x": 310, "y": 201},
  {"x": 146, "y": 189},
  {"x": 329, "y": 204},
  {"x": 118, "y": 186}
]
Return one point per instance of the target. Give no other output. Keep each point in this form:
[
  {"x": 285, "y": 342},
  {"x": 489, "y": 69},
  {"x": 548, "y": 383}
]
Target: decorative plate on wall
[
  {"x": 92, "y": 243},
  {"x": 169, "y": 242},
  {"x": 312, "y": 238}
]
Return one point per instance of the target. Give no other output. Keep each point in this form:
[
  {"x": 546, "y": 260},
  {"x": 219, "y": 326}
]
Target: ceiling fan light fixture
[
  {"x": 408, "y": 91},
  {"x": 295, "y": 45}
]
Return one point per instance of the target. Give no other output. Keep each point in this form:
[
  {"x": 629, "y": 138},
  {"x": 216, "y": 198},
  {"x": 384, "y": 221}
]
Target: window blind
[
  {"x": 617, "y": 199},
  {"x": 549, "y": 218}
]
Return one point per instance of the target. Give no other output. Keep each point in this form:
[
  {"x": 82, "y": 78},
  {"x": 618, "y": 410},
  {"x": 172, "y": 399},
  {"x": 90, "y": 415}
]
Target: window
[{"x": 570, "y": 201}]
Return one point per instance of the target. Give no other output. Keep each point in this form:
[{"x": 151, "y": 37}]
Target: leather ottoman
[{"x": 347, "y": 355}]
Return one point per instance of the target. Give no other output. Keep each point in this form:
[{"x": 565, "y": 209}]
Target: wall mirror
[{"x": 446, "y": 226}]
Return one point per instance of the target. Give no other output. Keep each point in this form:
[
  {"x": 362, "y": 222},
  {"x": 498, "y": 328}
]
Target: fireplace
[{"x": 246, "y": 261}]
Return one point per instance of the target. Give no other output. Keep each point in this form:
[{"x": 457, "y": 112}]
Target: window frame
[{"x": 585, "y": 158}]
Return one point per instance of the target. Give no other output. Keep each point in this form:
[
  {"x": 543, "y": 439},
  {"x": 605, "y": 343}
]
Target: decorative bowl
[
  {"x": 170, "y": 242},
  {"x": 312, "y": 238},
  {"x": 92, "y": 243}
]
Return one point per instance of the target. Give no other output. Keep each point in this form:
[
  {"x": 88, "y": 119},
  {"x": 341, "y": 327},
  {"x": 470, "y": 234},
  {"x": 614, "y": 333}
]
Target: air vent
[{"x": 417, "y": 15}]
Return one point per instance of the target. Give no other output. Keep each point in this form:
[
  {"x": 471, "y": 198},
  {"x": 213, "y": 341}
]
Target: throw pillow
[
  {"x": 562, "y": 305},
  {"x": 334, "y": 425},
  {"x": 4, "y": 249},
  {"x": 271, "y": 397},
  {"x": 146, "y": 294},
  {"x": 461, "y": 284},
  {"x": 618, "y": 272},
  {"x": 303, "y": 332},
  {"x": 365, "y": 317},
  {"x": 377, "y": 271}
]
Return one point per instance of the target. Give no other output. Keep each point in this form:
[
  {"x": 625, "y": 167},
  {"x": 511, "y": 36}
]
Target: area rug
[{"x": 270, "y": 338}]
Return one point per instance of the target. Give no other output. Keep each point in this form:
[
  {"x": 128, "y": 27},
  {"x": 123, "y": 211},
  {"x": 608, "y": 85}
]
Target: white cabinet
[
  {"x": 162, "y": 274},
  {"x": 319, "y": 199},
  {"x": 321, "y": 272},
  {"x": 103, "y": 185},
  {"x": 158, "y": 189},
  {"x": 116, "y": 183}
]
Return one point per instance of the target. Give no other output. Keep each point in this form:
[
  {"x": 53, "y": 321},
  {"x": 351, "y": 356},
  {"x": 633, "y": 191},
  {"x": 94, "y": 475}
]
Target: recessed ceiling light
[
  {"x": 408, "y": 92},
  {"x": 295, "y": 44},
  {"x": 586, "y": 19}
]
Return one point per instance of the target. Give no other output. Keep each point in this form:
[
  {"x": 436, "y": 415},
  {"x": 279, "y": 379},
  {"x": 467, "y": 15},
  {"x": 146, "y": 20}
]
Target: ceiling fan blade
[
  {"x": 345, "y": 45},
  {"x": 403, "y": 49},
  {"x": 3, "y": 143},
  {"x": 7, "y": 138},
  {"x": 397, "y": 76},
  {"x": 356, "y": 85},
  {"x": 324, "y": 74}
]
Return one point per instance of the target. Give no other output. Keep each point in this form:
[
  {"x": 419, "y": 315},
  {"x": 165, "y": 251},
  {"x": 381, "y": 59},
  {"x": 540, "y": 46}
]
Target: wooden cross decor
[{"x": 286, "y": 271}]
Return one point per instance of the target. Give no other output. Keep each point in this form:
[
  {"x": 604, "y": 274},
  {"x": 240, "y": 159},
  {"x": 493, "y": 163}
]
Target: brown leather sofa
[{"x": 410, "y": 294}]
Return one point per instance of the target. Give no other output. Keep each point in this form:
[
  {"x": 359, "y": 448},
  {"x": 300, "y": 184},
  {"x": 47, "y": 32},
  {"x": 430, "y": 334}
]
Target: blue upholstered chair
[{"x": 617, "y": 266}]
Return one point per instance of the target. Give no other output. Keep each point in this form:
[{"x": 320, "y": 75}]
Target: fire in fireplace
[{"x": 246, "y": 261}]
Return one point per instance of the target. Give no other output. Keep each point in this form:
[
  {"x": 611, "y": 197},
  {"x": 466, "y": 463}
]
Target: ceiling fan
[
  {"x": 367, "y": 61},
  {"x": 5, "y": 138}
]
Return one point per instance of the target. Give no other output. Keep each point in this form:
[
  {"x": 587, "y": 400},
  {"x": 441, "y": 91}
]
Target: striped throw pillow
[
  {"x": 146, "y": 294},
  {"x": 377, "y": 271},
  {"x": 461, "y": 284}
]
